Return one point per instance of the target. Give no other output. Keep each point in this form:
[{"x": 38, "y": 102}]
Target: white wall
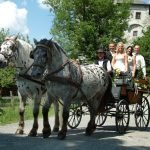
[{"x": 137, "y": 24}]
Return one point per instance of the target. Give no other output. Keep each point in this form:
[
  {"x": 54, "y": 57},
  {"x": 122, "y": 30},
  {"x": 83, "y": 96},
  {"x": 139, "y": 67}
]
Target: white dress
[
  {"x": 130, "y": 63},
  {"x": 119, "y": 63}
]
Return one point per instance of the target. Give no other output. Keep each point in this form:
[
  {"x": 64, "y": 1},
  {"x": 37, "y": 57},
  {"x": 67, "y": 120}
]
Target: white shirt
[
  {"x": 140, "y": 63},
  {"x": 100, "y": 63}
]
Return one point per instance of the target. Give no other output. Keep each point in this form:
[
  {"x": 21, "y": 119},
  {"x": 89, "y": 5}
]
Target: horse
[
  {"x": 18, "y": 51},
  {"x": 69, "y": 81}
]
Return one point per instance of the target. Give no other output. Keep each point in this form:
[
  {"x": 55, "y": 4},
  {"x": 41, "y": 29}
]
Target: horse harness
[{"x": 67, "y": 80}]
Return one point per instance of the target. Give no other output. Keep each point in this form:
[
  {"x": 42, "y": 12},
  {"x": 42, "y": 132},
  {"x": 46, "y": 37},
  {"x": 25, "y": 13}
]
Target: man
[
  {"x": 110, "y": 53},
  {"x": 140, "y": 62},
  {"x": 102, "y": 61}
]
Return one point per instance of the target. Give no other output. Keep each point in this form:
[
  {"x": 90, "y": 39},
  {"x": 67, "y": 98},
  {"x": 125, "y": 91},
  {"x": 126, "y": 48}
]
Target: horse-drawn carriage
[
  {"x": 129, "y": 97},
  {"x": 71, "y": 82}
]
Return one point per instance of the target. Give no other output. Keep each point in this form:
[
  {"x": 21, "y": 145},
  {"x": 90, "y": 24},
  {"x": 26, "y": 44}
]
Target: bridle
[{"x": 61, "y": 67}]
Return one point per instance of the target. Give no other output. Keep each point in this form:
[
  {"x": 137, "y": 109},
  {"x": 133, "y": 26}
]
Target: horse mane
[
  {"x": 23, "y": 48},
  {"x": 51, "y": 43},
  {"x": 24, "y": 45}
]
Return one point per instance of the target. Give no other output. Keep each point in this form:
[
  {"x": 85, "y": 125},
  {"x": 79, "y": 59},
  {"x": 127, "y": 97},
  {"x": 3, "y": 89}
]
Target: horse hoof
[
  {"x": 32, "y": 134},
  {"x": 55, "y": 129},
  {"x": 19, "y": 132},
  {"x": 89, "y": 132},
  {"x": 46, "y": 133},
  {"x": 61, "y": 136}
]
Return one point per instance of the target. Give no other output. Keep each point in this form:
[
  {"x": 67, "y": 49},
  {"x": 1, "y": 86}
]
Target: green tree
[
  {"x": 7, "y": 77},
  {"x": 145, "y": 47},
  {"x": 81, "y": 26},
  {"x": 6, "y": 74},
  {"x": 3, "y": 34}
]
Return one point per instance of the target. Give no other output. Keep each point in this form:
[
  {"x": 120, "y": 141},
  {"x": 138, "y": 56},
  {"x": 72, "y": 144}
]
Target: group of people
[{"x": 127, "y": 60}]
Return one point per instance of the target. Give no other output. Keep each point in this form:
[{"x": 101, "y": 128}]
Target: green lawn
[{"x": 9, "y": 112}]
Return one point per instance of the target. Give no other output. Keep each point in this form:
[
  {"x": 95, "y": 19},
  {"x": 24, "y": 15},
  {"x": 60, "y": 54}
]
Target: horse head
[
  {"x": 48, "y": 56},
  {"x": 7, "y": 48},
  {"x": 39, "y": 54}
]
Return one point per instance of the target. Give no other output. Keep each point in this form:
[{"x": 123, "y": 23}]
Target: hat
[{"x": 100, "y": 50}]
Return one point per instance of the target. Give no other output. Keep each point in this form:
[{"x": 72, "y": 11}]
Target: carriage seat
[{"x": 121, "y": 84}]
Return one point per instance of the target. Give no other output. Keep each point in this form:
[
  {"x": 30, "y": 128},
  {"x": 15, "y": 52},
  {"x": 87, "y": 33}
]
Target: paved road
[{"x": 103, "y": 138}]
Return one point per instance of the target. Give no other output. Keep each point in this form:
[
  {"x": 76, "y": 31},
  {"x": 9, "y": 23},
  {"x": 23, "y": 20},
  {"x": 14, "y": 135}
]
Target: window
[
  {"x": 138, "y": 15},
  {"x": 135, "y": 33}
]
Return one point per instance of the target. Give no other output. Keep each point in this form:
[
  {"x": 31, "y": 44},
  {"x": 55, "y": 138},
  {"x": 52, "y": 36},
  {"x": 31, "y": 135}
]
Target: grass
[{"x": 9, "y": 112}]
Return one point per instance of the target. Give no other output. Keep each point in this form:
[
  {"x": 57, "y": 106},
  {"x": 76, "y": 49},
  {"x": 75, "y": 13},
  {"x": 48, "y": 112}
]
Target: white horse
[
  {"x": 18, "y": 51},
  {"x": 70, "y": 82}
]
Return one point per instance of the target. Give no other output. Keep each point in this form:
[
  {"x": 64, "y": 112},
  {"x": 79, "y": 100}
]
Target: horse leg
[
  {"x": 33, "y": 131},
  {"x": 22, "y": 101},
  {"x": 46, "y": 126},
  {"x": 56, "y": 110},
  {"x": 65, "y": 116},
  {"x": 91, "y": 125}
]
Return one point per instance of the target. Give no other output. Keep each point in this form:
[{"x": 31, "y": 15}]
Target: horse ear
[
  {"x": 7, "y": 38},
  {"x": 35, "y": 41},
  {"x": 14, "y": 38}
]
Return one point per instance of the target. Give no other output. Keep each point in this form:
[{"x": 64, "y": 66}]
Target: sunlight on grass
[{"x": 10, "y": 113}]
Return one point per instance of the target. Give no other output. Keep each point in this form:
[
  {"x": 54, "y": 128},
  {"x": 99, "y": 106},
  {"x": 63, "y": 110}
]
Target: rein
[
  {"x": 63, "y": 80},
  {"x": 66, "y": 80},
  {"x": 60, "y": 68},
  {"x": 25, "y": 76},
  {"x": 28, "y": 77}
]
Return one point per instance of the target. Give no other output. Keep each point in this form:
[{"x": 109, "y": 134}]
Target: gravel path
[{"x": 103, "y": 138}]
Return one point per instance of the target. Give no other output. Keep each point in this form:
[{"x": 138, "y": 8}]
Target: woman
[
  {"x": 131, "y": 61},
  {"x": 120, "y": 59}
]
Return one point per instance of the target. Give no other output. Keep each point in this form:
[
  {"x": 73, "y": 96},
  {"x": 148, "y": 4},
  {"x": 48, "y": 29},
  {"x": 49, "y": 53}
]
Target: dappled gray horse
[
  {"x": 18, "y": 51},
  {"x": 69, "y": 81}
]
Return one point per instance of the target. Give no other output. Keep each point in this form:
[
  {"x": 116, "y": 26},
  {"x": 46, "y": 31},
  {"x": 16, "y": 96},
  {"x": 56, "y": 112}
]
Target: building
[{"x": 139, "y": 19}]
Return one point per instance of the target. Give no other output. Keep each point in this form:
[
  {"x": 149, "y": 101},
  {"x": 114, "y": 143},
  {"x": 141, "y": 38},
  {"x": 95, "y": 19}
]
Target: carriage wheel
[
  {"x": 122, "y": 116},
  {"x": 100, "y": 119},
  {"x": 75, "y": 115},
  {"x": 142, "y": 114}
]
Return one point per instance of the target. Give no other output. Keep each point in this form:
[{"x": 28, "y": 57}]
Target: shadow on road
[{"x": 103, "y": 138}]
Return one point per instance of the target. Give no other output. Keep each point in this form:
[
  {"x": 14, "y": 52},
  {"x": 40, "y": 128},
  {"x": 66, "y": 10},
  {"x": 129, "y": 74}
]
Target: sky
[{"x": 28, "y": 17}]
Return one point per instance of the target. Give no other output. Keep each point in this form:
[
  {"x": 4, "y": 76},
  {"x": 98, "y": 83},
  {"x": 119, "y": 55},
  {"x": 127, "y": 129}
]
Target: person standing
[
  {"x": 120, "y": 59},
  {"x": 131, "y": 61},
  {"x": 111, "y": 52},
  {"x": 140, "y": 62}
]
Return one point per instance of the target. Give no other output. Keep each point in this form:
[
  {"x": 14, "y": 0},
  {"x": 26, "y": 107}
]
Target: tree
[
  {"x": 3, "y": 34},
  {"x": 145, "y": 47},
  {"x": 81, "y": 26},
  {"x": 7, "y": 77}
]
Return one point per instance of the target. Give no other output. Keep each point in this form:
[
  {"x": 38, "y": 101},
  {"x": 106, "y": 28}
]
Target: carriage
[
  {"x": 81, "y": 83},
  {"x": 130, "y": 98}
]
